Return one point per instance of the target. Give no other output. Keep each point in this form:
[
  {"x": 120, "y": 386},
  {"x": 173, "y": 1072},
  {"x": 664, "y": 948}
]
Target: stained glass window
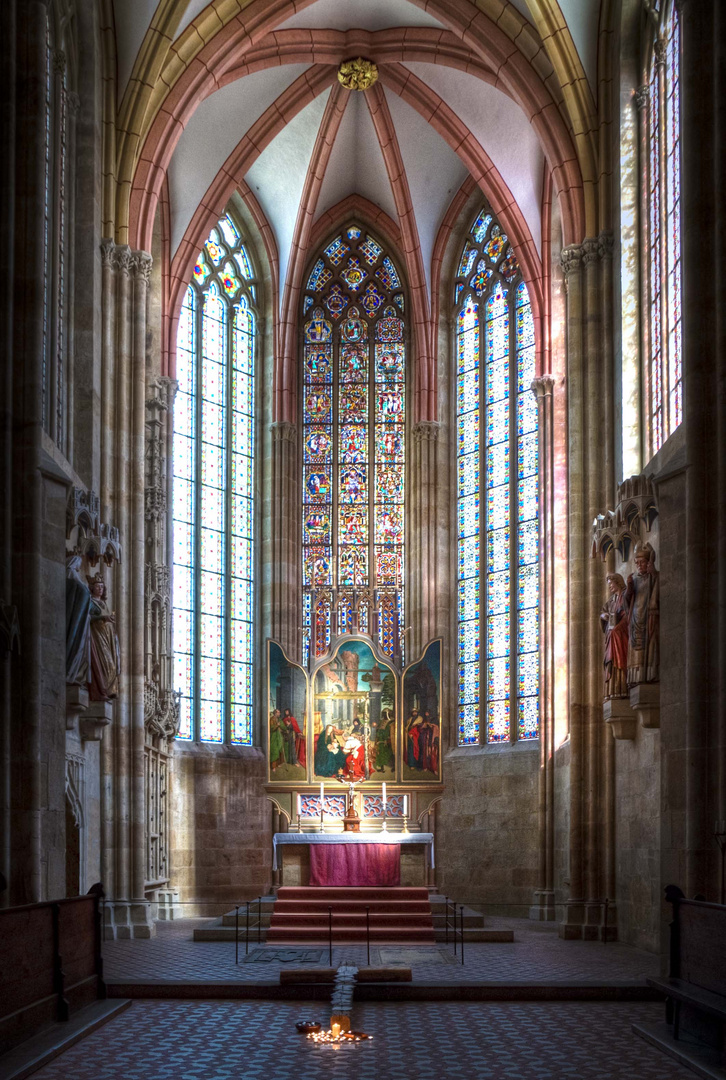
[
  {"x": 354, "y": 417},
  {"x": 665, "y": 376},
  {"x": 212, "y": 506},
  {"x": 497, "y": 493},
  {"x": 56, "y": 226}
]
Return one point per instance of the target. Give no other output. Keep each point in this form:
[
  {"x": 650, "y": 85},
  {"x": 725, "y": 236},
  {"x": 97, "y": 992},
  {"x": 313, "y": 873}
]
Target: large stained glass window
[
  {"x": 497, "y": 495},
  {"x": 354, "y": 441},
  {"x": 213, "y": 520},
  {"x": 664, "y": 370}
]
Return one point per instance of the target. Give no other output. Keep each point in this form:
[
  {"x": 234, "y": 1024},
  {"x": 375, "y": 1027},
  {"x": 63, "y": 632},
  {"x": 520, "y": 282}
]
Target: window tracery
[
  {"x": 664, "y": 368},
  {"x": 213, "y": 493},
  {"x": 354, "y": 445},
  {"x": 497, "y": 493}
]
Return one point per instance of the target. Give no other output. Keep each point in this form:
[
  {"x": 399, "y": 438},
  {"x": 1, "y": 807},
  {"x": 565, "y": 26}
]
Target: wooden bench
[
  {"x": 696, "y": 985},
  {"x": 50, "y": 959}
]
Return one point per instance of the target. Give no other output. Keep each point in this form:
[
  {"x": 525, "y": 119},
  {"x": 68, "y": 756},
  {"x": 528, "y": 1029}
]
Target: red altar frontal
[{"x": 353, "y": 859}]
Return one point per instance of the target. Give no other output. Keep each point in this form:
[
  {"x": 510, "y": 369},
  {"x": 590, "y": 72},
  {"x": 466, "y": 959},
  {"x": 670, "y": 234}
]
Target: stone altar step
[{"x": 392, "y": 935}]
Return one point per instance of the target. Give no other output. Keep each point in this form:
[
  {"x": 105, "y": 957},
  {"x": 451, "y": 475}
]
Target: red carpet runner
[{"x": 397, "y": 915}]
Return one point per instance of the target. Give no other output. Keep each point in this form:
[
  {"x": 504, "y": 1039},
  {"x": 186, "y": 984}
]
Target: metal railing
[{"x": 458, "y": 925}]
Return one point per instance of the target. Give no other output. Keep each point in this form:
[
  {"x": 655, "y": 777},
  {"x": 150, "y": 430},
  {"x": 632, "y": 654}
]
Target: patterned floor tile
[
  {"x": 536, "y": 955},
  {"x": 411, "y": 1041}
]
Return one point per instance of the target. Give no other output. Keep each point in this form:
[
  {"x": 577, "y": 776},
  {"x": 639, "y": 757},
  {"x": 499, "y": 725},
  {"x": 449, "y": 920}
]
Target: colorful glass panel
[
  {"x": 353, "y": 275},
  {"x": 212, "y": 502},
  {"x": 337, "y": 251},
  {"x": 354, "y": 447},
  {"x": 388, "y": 275},
  {"x": 319, "y": 277},
  {"x": 370, "y": 250},
  {"x": 497, "y": 495},
  {"x": 665, "y": 376}
]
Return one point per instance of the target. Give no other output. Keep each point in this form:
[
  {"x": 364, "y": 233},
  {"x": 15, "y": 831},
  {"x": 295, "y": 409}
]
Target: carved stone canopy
[
  {"x": 620, "y": 529},
  {"x": 86, "y": 534}
]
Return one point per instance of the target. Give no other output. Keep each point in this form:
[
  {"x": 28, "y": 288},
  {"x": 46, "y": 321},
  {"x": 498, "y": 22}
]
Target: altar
[{"x": 349, "y": 859}]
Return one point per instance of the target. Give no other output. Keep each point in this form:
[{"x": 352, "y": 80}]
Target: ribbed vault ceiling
[{"x": 406, "y": 148}]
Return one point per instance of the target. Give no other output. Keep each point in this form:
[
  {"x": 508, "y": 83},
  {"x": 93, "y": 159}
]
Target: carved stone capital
[
  {"x": 73, "y": 101},
  {"x": 605, "y": 245},
  {"x": 590, "y": 250},
  {"x": 142, "y": 263},
  {"x": 108, "y": 249},
  {"x": 123, "y": 259},
  {"x": 426, "y": 431},
  {"x": 59, "y": 62},
  {"x": 571, "y": 259},
  {"x": 642, "y": 96},
  {"x": 660, "y": 51},
  {"x": 542, "y": 386},
  {"x": 283, "y": 431}
]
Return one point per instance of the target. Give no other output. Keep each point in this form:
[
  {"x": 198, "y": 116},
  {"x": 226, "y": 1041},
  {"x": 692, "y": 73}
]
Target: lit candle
[
  {"x": 384, "y": 799},
  {"x": 299, "y": 806},
  {"x": 405, "y": 805},
  {"x": 322, "y": 801}
]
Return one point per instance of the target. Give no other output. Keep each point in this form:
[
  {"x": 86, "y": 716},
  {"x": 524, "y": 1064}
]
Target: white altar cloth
[{"x": 352, "y": 838}]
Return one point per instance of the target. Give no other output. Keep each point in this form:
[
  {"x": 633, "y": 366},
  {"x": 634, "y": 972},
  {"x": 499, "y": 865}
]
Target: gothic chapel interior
[{"x": 363, "y": 421}]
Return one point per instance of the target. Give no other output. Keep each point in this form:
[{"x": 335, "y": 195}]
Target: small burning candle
[{"x": 335, "y": 1030}]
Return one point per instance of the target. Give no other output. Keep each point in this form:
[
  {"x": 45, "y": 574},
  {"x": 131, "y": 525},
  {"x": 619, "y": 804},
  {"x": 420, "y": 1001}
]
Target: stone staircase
[{"x": 475, "y": 929}]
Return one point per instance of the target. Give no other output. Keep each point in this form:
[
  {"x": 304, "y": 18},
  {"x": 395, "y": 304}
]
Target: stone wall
[
  {"x": 221, "y": 823},
  {"x": 487, "y": 846},
  {"x": 637, "y": 838},
  {"x": 562, "y": 825}
]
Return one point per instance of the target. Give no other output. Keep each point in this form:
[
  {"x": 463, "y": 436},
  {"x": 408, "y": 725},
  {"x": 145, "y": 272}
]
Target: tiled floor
[
  {"x": 432, "y": 1041},
  {"x": 536, "y": 955}
]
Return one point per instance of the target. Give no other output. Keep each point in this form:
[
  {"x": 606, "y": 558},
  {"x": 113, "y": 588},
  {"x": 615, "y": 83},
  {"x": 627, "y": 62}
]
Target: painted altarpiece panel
[
  {"x": 287, "y": 718},
  {"x": 421, "y": 741},
  {"x": 354, "y": 715}
]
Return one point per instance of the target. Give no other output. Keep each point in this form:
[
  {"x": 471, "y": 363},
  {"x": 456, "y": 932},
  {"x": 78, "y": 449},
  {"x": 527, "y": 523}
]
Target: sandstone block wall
[
  {"x": 221, "y": 824},
  {"x": 487, "y": 848}
]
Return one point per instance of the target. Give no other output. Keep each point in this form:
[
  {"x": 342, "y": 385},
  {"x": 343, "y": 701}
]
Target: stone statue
[
  {"x": 78, "y": 629},
  {"x": 105, "y": 656},
  {"x": 614, "y": 623},
  {"x": 643, "y": 597}
]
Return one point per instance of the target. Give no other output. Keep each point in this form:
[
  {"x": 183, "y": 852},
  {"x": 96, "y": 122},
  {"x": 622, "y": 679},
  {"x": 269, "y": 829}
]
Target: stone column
[
  {"x": 702, "y": 706},
  {"x": 285, "y": 546},
  {"x": 8, "y": 135},
  {"x": 588, "y": 276},
  {"x": 544, "y": 898},
  {"x": 126, "y": 281},
  {"x": 422, "y": 560}
]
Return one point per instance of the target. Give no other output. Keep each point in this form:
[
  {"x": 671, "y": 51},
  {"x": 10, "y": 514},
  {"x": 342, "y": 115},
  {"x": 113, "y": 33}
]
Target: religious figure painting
[
  {"x": 421, "y": 749},
  {"x": 354, "y": 717},
  {"x": 287, "y": 715}
]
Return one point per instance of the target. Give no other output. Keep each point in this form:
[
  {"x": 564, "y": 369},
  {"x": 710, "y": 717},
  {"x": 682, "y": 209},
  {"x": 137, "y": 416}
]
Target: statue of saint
[
  {"x": 105, "y": 655},
  {"x": 642, "y": 597},
  {"x": 78, "y": 629},
  {"x": 614, "y": 623}
]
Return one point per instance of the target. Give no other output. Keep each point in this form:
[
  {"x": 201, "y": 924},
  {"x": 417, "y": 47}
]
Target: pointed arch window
[
  {"x": 497, "y": 493},
  {"x": 664, "y": 372},
  {"x": 213, "y": 493},
  {"x": 60, "y": 55},
  {"x": 354, "y": 445}
]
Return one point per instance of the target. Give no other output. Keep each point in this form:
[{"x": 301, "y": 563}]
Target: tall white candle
[
  {"x": 384, "y": 798},
  {"x": 405, "y": 805},
  {"x": 322, "y": 798},
  {"x": 299, "y": 806}
]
